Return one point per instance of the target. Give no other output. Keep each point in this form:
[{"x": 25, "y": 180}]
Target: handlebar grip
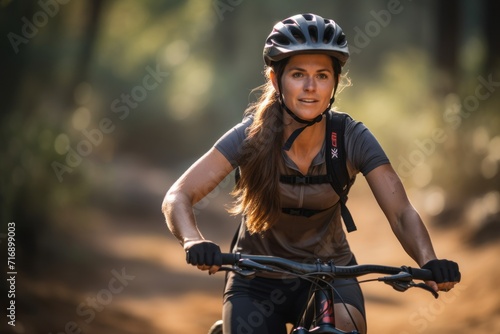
[
  {"x": 230, "y": 258},
  {"x": 422, "y": 274}
]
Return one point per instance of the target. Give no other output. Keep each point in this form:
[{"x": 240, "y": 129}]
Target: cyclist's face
[{"x": 307, "y": 83}]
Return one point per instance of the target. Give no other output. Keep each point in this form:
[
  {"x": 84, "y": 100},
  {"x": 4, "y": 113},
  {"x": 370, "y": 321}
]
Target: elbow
[
  {"x": 169, "y": 201},
  {"x": 173, "y": 198}
]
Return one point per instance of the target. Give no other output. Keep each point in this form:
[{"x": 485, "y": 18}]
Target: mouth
[{"x": 308, "y": 100}]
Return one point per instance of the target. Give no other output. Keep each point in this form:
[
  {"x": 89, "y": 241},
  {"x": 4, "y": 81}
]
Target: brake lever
[
  {"x": 403, "y": 281},
  {"x": 401, "y": 277},
  {"x": 245, "y": 268},
  {"x": 399, "y": 286},
  {"x": 427, "y": 288}
]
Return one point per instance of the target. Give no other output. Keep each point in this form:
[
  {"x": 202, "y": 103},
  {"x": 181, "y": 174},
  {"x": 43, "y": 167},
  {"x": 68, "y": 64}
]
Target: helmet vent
[
  {"x": 279, "y": 39},
  {"x": 313, "y": 32},
  {"x": 308, "y": 17},
  {"x": 328, "y": 35},
  {"x": 341, "y": 40},
  {"x": 297, "y": 33}
]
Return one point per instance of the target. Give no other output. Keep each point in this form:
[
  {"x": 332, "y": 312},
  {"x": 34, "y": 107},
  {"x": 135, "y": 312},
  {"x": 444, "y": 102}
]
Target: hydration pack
[{"x": 336, "y": 166}]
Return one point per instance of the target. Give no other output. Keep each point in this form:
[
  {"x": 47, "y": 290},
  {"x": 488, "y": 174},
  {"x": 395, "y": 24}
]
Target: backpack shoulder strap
[
  {"x": 336, "y": 163},
  {"x": 237, "y": 176}
]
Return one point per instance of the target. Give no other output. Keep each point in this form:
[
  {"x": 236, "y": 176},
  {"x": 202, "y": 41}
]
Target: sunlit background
[{"x": 105, "y": 103}]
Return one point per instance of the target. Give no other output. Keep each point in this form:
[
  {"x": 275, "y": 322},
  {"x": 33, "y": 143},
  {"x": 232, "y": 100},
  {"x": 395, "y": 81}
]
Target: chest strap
[
  {"x": 308, "y": 179},
  {"x": 301, "y": 212}
]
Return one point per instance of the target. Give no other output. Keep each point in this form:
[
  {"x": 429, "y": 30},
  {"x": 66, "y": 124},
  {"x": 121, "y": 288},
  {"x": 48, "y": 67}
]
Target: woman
[{"x": 284, "y": 134}]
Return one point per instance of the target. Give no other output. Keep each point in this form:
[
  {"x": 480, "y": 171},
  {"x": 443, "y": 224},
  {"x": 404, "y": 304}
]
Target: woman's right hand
[{"x": 204, "y": 254}]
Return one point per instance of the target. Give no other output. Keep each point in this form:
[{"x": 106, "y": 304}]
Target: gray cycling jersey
[{"x": 321, "y": 235}]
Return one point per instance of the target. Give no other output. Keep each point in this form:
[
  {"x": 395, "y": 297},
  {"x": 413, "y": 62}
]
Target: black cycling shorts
[{"x": 264, "y": 305}]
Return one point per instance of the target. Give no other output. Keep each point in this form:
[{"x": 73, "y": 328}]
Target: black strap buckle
[{"x": 300, "y": 180}]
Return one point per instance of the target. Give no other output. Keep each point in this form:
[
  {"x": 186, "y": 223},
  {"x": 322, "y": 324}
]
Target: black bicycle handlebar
[{"x": 261, "y": 262}]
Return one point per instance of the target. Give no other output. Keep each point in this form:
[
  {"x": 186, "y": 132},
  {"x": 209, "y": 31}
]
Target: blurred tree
[
  {"x": 491, "y": 31},
  {"x": 90, "y": 28},
  {"x": 469, "y": 55},
  {"x": 38, "y": 90},
  {"x": 449, "y": 38}
]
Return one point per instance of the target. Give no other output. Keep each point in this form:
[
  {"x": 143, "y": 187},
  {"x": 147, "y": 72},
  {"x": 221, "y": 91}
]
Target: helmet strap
[{"x": 297, "y": 132}]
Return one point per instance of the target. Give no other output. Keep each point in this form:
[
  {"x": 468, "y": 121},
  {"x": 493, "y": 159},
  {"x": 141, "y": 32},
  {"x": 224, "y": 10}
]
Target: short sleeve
[
  {"x": 363, "y": 149},
  {"x": 231, "y": 142}
]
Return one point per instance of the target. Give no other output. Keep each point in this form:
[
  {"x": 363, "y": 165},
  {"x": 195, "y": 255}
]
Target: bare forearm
[
  {"x": 201, "y": 178},
  {"x": 404, "y": 219},
  {"x": 178, "y": 211},
  {"x": 414, "y": 237}
]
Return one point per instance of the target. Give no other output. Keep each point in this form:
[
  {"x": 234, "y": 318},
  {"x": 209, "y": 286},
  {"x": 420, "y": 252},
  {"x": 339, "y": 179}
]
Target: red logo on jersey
[{"x": 334, "y": 139}]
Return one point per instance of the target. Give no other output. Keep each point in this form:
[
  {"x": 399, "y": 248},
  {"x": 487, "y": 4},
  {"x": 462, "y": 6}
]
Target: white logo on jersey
[{"x": 335, "y": 153}]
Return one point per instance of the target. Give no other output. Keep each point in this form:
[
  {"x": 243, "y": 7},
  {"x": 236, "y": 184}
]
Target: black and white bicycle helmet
[{"x": 305, "y": 33}]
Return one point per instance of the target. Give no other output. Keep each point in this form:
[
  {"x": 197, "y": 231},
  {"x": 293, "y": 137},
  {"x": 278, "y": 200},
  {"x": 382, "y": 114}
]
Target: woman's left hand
[{"x": 446, "y": 274}]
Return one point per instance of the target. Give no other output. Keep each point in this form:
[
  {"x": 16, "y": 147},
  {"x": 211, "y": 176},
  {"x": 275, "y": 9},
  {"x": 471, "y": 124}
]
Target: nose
[{"x": 309, "y": 84}]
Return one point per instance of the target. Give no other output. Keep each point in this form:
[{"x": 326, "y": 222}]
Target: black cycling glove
[
  {"x": 203, "y": 252},
  {"x": 443, "y": 270}
]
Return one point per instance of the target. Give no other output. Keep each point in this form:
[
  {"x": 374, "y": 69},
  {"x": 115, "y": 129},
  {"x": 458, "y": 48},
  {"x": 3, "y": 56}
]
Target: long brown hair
[{"x": 257, "y": 190}]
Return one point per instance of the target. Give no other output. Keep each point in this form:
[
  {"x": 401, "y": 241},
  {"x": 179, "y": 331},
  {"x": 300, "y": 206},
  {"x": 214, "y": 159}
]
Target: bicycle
[{"x": 318, "y": 316}]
